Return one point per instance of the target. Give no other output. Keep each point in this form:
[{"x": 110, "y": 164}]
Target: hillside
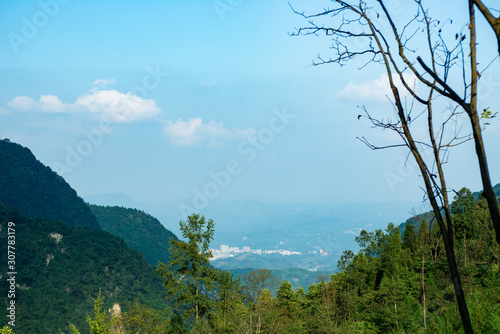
[
  {"x": 36, "y": 191},
  {"x": 296, "y": 276},
  {"x": 60, "y": 266},
  {"x": 140, "y": 231}
]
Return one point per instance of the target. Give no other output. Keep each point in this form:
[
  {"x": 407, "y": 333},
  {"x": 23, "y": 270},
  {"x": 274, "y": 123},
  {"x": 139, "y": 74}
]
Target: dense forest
[
  {"x": 396, "y": 283},
  {"x": 36, "y": 191},
  {"x": 61, "y": 254},
  {"x": 60, "y": 266},
  {"x": 138, "y": 229}
]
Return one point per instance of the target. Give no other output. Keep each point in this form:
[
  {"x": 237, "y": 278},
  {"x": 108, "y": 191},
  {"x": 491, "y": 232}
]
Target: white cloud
[
  {"x": 4, "y": 111},
  {"x": 116, "y": 106},
  {"x": 119, "y": 107},
  {"x": 377, "y": 90},
  {"x": 22, "y": 103},
  {"x": 51, "y": 103},
  {"x": 104, "y": 82},
  {"x": 193, "y": 132}
]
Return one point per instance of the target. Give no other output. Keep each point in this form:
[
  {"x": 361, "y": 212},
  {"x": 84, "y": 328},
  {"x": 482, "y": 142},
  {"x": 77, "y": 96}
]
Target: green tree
[
  {"x": 142, "y": 319},
  {"x": 229, "y": 303},
  {"x": 290, "y": 304},
  {"x": 101, "y": 324},
  {"x": 188, "y": 278},
  {"x": 6, "y": 330},
  {"x": 410, "y": 238},
  {"x": 258, "y": 280}
]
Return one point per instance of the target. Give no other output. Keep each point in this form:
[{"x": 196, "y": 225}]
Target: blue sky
[{"x": 161, "y": 99}]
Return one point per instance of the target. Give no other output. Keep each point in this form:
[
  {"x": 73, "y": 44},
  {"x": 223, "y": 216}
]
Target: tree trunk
[
  {"x": 488, "y": 192},
  {"x": 493, "y": 21},
  {"x": 395, "y": 304},
  {"x": 459, "y": 291},
  {"x": 423, "y": 287}
]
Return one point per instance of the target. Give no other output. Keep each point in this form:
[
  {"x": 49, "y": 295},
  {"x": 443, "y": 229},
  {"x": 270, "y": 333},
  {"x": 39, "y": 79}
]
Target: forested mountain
[
  {"x": 36, "y": 191},
  {"x": 396, "y": 283},
  {"x": 59, "y": 267},
  {"x": 140, "y": 231}
]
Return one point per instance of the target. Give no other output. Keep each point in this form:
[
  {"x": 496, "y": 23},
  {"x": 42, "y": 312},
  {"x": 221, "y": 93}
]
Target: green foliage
[
  {"x": 297, "y": 276},
  {"x": 258, "y": 280},
  {"x": 61, "y": 265},
  {"x": 36, "y": 191},
  {"x": 141, "y": 318},
  {"x": 101, "y": 324},
  {"x": 188, "y": 278},
  {"x": 139, "y": 230},
  {"x": 488, "y": 115},
  {"x": 6, "y": 330}
]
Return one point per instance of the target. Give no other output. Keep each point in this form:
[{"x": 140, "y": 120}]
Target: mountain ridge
[{"x": 36, "y": 191}]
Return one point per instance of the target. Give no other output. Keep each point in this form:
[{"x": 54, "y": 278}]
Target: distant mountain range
[{"x": 320, "y": 232}]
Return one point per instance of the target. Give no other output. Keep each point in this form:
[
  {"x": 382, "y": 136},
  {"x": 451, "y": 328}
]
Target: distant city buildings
[{"x": 225, "y": 251}]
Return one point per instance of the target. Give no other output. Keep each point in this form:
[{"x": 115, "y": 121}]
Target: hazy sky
[{"x": 169, "y": 99}]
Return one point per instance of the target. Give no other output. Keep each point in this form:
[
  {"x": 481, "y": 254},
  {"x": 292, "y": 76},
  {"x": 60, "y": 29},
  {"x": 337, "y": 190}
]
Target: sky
[{"x": 210, "y": 100}]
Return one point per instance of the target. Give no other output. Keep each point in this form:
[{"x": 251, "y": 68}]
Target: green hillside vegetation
[
  {"x": 36, "y": 191},
  {"x": 296, "y": 276},
  {"x": 139, "y": 230},
  {"x": 394, "y": 284},
  {"x": 59, "y": 266}
]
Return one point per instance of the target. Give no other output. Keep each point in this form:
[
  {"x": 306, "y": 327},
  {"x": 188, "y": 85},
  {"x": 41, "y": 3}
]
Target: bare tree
[
  {"x": 468, "y": 101},
  {"x": 386, "y": 45}
]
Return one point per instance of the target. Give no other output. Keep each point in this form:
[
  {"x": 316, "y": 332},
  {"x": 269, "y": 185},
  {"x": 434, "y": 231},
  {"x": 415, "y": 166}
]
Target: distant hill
[
  {"x": 298, "y": 277},
  {"x": 59, "y": 267},
  {"x": 140, "y": 231},
  {"x": 496, "y": 189},
  {"x": 36, "y": 191},
  {"x": 417, "y": 220}
]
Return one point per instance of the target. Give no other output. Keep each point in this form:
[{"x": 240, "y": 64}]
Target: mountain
[
  {"x": 140, "y": 231},
  {"x": 320, "y": 232},
  {"x": 59, "y": 267},
  {"x": 36, "y": 191}
]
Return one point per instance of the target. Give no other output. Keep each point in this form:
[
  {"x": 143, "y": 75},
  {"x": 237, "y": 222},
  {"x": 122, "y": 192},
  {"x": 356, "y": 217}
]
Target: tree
[
  {"x": 390, "y": 48},
  {"x": 257, "y": 286},
  {"x": 100, "y": 323},
  {"x": 410, "y": 238},
  {"x": 464, "y": 210},
  {"x": 258, "y": 280},
  {"x": 188, "y": 278},
  {"x": 422, "y": 240},
  {"x": 142, "y": 319},
  {"x": 229, "y": 303}
]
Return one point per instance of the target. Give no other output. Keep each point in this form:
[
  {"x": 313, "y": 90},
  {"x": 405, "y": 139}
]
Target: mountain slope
[
  {"x": 60, "y": 266},
  {"x": 36, "y": 191},
  {"x": 140, "y": 231}
]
